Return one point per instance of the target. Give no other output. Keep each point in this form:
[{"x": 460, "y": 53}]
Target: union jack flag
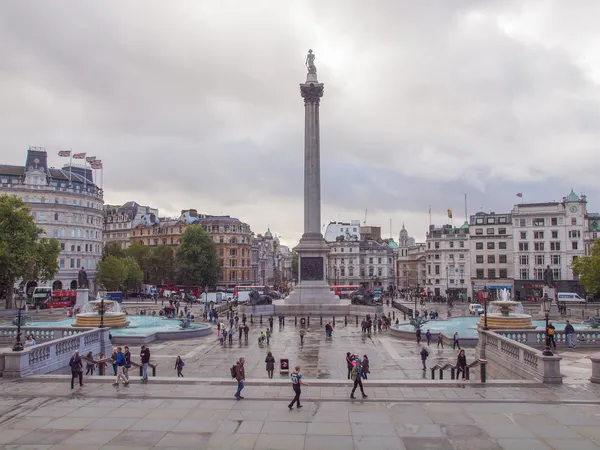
[
  {"x": 90, "y": 159},
  {"x": 97, "y": 164},
  {"x": 66, "y": 153},
  {"x": 79, "y": 156}
]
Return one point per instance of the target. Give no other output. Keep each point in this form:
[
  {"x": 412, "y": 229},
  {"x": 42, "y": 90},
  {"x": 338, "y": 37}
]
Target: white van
[
  {"x": 475, "y": 309},
  {"x": 569, "y": 297}
]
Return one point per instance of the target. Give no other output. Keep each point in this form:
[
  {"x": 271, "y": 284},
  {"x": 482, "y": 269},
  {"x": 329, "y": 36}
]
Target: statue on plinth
[
  {"x": 548, "y": 277},
  {"x": 310, "y": 62},
  {"x": 82, "y": 279}
]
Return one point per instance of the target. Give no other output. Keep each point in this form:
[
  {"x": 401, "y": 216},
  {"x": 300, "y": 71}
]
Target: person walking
[
  {"x": 240, "y": 376},
  {"x": 76, "y": 366},
  {"x": 356, "y": 376},
  {"x": 241, "y": 331},
  {"x": 127, "y": 356},
  {"x": 550, "y": 335},
  {"x": 428, "y": 337},
  {"x": 424, "y": 355},
  {"x": 418, "y": 334},
  {"x": 270, "y": 360},
  {"x": 296, "y": 383},
  {"x": 120, "y": 369},
  {"x": 302, "y": 333},
  {"x": 179, "y": 366},
  {"x": 440, "y": 340},
  {"x": 230, "y": 336},
  {"x": 246, "y": 331},
  {"x": 90, "y": 367},
  {"x": 349, "y": 363},
  {"x": 145, "y": 357},
  {"x": 365, "y": 366},
  {"x": 113, "y": 359},
  {"x": 456, "y": 341},
  {"x": 461, "y": 365},
  {"x": 269, "y": 331},
  {"x": 569, "y": 331}
]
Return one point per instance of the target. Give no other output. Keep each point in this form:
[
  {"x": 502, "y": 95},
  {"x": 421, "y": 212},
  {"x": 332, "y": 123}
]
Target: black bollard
[
  {"x": 251, "y": 319},
  {"x": 321, "y": 320},
  {"x": 452, "y": 373},
  {"x": 394, "y": 315},
  {"x": 441, "y": 373},
  {"x": 261, "y": 321},
  {"x": 357, "y": 320},
  {"x": 345, "y": 320},
  {"x": 483, "y": 371},
  {"x": 404, "y": 316},
  {"x": 334, "y": 320},
  {"x": 308, "y": 321},
  {"x": 295, "y": 320},
  {"x": 467, "y": 373},
  {"x": 433, "y": 373}
]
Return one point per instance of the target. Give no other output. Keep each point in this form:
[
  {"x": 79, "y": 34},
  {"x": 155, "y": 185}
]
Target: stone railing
[
  {"x": 8, "y": 334},
  {"x": 537, "y": 338},
  {"x": 55, "y": 354},
  {"x": 510, "y": 359}
]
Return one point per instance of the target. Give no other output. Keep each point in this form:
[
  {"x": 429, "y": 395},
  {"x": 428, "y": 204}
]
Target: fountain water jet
[{"x": 506, "y": 314}]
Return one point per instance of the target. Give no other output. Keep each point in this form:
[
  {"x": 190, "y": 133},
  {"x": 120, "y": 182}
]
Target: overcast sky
[{"x": 196, "y": 104}]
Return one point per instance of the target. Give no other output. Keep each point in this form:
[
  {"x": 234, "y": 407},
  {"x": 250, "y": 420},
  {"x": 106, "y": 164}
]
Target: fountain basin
[
  {"x": 506, "y": 318},
  {"x": 111, "y": 319}
]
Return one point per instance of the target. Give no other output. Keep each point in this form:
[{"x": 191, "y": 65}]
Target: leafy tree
[
  {"x": 141, "y": 253},
  {"x": 113, "y": 248},
  {"x": 132, "y": 273},
  {"x": 119, "y": 273},
  {"x": 196, "y": 261},
  {"x": 23, "y": 253},
  {"x": 161, "y": 264},
  {"x": 587, "y": 268}
]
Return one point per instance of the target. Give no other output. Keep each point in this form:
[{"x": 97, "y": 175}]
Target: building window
[
  {"x": 436, "y": 256},
  {"x": 233, "y": 252},
  {"x": 491, "y": 259},
  {"x": 479, "y": 246},
  {"x": 491, "y": 274},
  {"x": 437, "y": 269},
  {"x": 539, "y": 260},
  {"x": 523, "y": 234},
  {"x": 437, "y": 245},
  {"x": 490, "y": 231},
  {"x": 490, "y": 245},
  {"x": 501, "y": 230},
  {"x": 479, "y": 231},
  {"x": 554, "y": 221},
  {"x": 538, "y": 274},
  {"x": 502, "y": 245},
  {"x": 502, "y": 259},
  {"x": 502, "y": 220},
  {"x": 555, "y": 235},
  {"x": 574, "y": 245},
  {"x": 538, "y": 246},
  {"x": 573, "y": 221},
  {"x": 555, "y": 259},
  {"x": 62, "y": 245},
  {"x": 479, "y": 259},
  {"x": 479, "y": 220},
  {"x": 555, "y": 246},
  {"x": 524, "y": 274},
  {"x": 480, "y": 274},
  {"x": 539, "y": 222},
  {"x": 538, "y": 235},
  {"x": 378, "y": 260},
  {"x": 503, "y": 274},
  {"x": 451, "y": 244},
  {"x": 461, "y": 244},
  {"x": 574, "y": 234},
  {"x": 491, "y": 220},
  {"x": 556, "y": 274},
  {"x": 370, "y": 260},
  {"x": 522, "y": 222},
  {"x": 524, "y": 260},
  {"x": 461, "y": 256}
]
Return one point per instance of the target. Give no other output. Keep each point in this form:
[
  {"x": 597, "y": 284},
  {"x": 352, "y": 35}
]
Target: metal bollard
[
  {"x": 467, "y": 372},
  {"x": 321, "y": 320},
  {"x": 345, "y": 320},
  {"x": 452, "y": 373},
  {"x": 251, "y": 319},
  {"x": 441, "y": 373},
  {"x": 153, "y": 371},
  {"x": 394, "y": 315},
  {"x": 404, "y": 316},
  {"x": 357, "y": 320},
  {"x": 261, "y": 320},
  {"x": 483, "y": 370},
  {"x": 141, "y": 371},
  {"x": 295, "y": 320},
  {"x": 433, "y": 373},
  {"x": 334, "y": 320},
  {"x": 308, "y": 321}
]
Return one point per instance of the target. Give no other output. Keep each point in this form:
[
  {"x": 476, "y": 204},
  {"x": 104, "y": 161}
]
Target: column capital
[{"x": 311, "y": 92}]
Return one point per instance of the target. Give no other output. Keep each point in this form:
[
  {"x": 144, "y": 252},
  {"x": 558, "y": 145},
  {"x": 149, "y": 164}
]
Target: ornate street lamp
[
  {"x": 19, "y": 303},
  {"x": 485, "y": 294},
  {"x": 101, "y": 313},
  {"x": 546, "y": 302}
]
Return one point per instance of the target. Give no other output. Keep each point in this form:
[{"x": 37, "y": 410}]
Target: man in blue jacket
[{"x": 120, "y": 369}]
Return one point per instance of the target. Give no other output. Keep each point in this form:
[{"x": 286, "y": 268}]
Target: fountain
[
  {"x": 506, "y": 314},
  {"x": 92, "y": 312}
]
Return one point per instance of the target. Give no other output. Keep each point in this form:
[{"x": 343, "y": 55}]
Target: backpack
[
  {"x": 550, "y": 331},
  {"x": 232, "y": 370}
]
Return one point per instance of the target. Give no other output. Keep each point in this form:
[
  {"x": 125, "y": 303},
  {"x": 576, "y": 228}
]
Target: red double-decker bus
[{"x": 343, "y": 291}]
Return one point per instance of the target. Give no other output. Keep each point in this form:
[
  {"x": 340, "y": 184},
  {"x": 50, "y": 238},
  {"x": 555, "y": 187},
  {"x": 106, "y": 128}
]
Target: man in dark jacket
[
  {"x": 569, "y": 331},
  {"x": 424, "y": 355},
  {"x": 76, "y": 369},
  {"x": 349, "y": 363},
  {"x": 240, "y": 376},
  {"x": 127, "y": 356},
  {"x": 145, "y": 357}
]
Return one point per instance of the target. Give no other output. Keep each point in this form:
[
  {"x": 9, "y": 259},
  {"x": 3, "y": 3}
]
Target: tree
[
  {"x": 587, "y": 268},
  {"x": 117, "y": 274},
  {"x": 113, "y": 248},
  {"x": 161, "y": 264},
  {"x": 196, "y": 261},
  {"x": 23, "y": 253},
  {"x": 132, "y": 273},
  {"x": 141, "y": 253}
]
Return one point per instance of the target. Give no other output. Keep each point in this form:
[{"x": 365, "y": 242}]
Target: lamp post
[
  {"x": 416, "y": 295},
  {"x": 546, "y": 305},
  {"x": 19, "y": 303},
  {"x": 101, "y": 313},
  {"x": 485, "y": 294}
]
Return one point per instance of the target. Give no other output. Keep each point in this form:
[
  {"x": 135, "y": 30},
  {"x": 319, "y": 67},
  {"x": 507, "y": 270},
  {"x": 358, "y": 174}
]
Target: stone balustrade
[
  {"x": 8, "y": 334},
  {"x": 55, "y": 354},
  {"x": 537, "y": 338},
  {"x": 509, "y": 359}
]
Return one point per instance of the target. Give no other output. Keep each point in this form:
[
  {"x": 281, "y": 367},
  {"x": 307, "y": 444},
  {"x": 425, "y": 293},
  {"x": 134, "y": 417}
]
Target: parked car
[
  {"x": 569, "y": 297},
  {"x": 475, "y": 309}
]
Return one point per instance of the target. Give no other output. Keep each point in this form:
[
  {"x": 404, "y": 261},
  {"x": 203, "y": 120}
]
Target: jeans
[
  {"x": 144, "y": 370},
  {"x": 358, "y": 382},
  {"x": 456, "y": 344},
  {"x": 424, "y": 366},
  {"x": 570, "y": 339},
  {"x": 296, "y": 399},
  {"x": 121, "y": 375},
  {"x": 74, "y": 375},
  {"x": 238, "y": 393}
]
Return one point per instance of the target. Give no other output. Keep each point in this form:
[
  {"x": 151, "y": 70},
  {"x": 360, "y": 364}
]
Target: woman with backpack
[
  {"x": 76, "y": 369},
  {"x": 179, "y": 366},
  {"x": 270, "y": 360},
  {"x": 90, "y": 367},
  {"x": 356, "y": 376}
]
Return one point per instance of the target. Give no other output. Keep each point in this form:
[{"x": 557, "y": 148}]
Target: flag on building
[
  {"x": 449, "y": 213},
  {"x": 96, "y": 164},
  {"x": 520, "y": 194},
  {"x": 79, "y": 156},
  {"x": 90, "y": 159},
  {"x": 66, "y": 153},
  {"x": 430, "y": 210}
]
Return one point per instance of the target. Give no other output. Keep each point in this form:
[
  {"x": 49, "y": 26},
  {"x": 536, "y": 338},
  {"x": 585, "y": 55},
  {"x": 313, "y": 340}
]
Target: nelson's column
[{"x": 312, "y": 249}]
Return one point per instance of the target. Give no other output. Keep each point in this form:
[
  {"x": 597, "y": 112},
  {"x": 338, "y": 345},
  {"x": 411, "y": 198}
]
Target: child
[{"x": 179, "y": 366}]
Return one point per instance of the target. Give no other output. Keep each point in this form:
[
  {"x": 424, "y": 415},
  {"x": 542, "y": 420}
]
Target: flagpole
[
  {"x": 70, "y": 164},
  {"x": 429, "y": 215}
]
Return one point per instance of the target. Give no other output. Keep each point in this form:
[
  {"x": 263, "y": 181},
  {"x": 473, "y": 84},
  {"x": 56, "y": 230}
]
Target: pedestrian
[
  {"x": 296, "y": 383},
  {"x": 461, "y": 365},
  {"x": 440, "y": 340},
  {"x": 550, "y": 335},
  {"x": 349, "y": 363},
  {"x": 241, "y": 331},
  {"x": 356, "y": 376},
  {"x": 120, "y": 369},
  {"x": 240, "y": 376},
  {"x": 365, "y": 366},
  {"x": 271, "y": 323},
  {"x": 113, "y": 359},
  {"x": 269, "y": 331},
  {"x": 418, "y": 333},
  {"x": 179, "y": 366},
  {"x": 456, "y": 341},
  {"x": 428, "y": 336},
  {"x": 145, "y": 357},
  {"x": 90, "y": 367},
  {"x": 76, "y": 366},
  {"x": 302, "y": 333},
  {"x": 127, "y": 356},
  {"x": 424, "y": 355},
  {"x": 270, "y": 360},
  {"x": 246, "y": 331},
  {"x": 230, "y": 335},
  {"x": 569, "y": 331}
]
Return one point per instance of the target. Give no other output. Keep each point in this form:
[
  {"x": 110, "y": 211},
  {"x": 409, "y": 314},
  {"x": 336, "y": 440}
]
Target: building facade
[
  {"x": 448, "y": 262},
  {"x": 67, "y": 205},
  {"x": 548, "y": 235},
  {"x": 120, "y": 220},
  {"x": 350, "y": 231},
  {"x": 491, "y": 253}
]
